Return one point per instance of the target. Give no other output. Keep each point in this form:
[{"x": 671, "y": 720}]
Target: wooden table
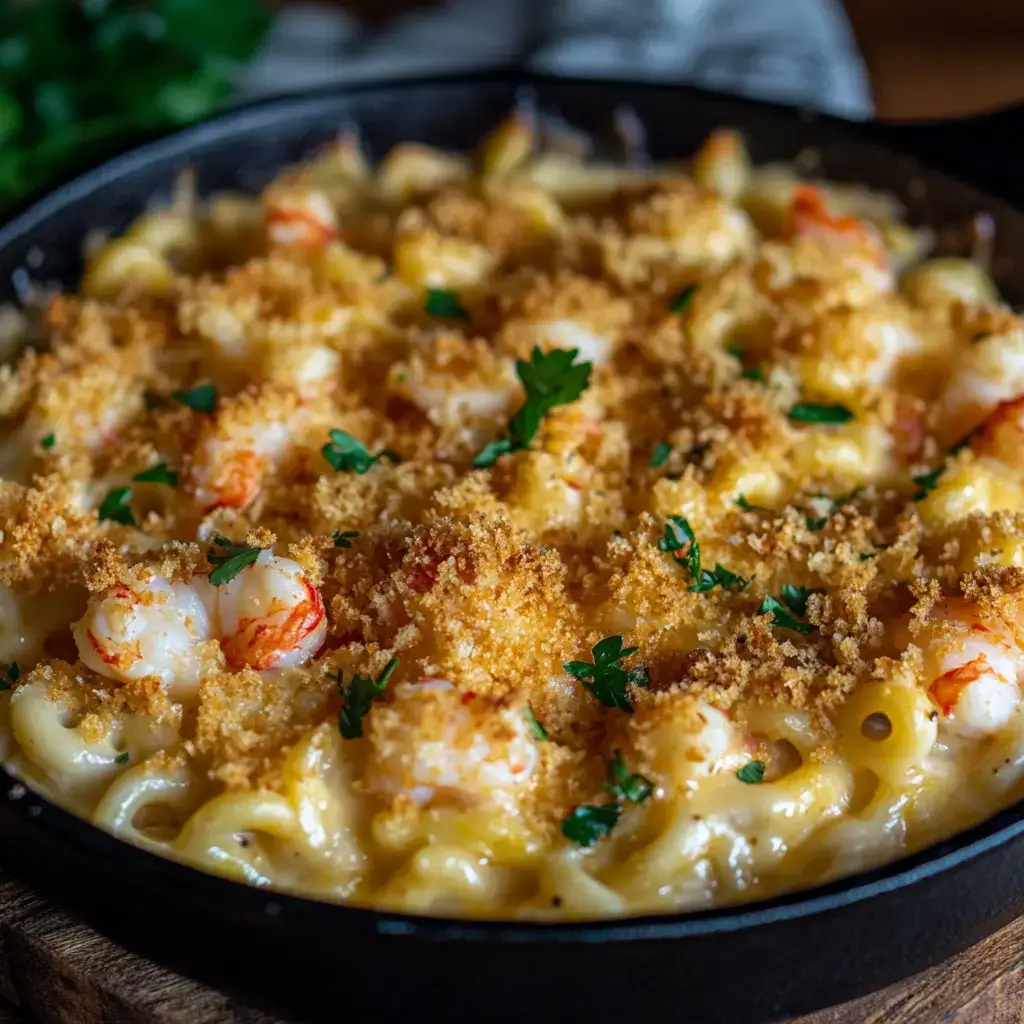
[{"x": 56, "y": 971}]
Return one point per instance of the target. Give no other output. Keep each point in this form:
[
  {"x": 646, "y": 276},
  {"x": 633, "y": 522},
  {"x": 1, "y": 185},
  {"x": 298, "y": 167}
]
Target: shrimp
[
  {"x": 247, "y": 437},
  {"x": 592, "y": 347},
  {"x": 270, "y": 615},
  {"x": 988, "y": 373},
  {"x": 300, "y": 217},
  {"x": 975, "y": 663},
  {"x": 836, "y": 243},
  {"x": 809, "y": 216},
  {"x": 689, "y": 739},
  {"x": 456, "y": 380},
  {"x": 152, "y": 628},
  {"x": 1001, "y": 436},
  {"x": 700, "y": 227},
  {"x": 433, "y": 744}
]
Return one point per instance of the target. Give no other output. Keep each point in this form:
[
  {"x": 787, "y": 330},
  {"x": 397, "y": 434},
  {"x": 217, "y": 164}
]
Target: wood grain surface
[{"x": 54, "y": 970}]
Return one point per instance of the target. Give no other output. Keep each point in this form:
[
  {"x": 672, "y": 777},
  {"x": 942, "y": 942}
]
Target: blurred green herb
[{"x": 78, "y": 76}]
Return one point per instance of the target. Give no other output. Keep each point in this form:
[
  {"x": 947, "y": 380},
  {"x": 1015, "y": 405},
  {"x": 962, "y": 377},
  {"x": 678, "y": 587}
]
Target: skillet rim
[{"x": 18, "y": 799}]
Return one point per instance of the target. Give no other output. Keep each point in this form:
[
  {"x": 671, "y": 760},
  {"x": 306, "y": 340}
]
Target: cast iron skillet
[{"x": 320, "y": 961}]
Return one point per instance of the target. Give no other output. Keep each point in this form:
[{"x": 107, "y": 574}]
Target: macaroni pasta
[{"x": 518, "y": 536}]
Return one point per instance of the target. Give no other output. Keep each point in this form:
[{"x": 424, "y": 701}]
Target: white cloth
[{"x": 792, "y": 51}]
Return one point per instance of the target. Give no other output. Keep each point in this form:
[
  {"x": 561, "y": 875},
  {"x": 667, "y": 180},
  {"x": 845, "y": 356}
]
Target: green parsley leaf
[
  {"x": 115, "y": 507},
  {"x": 158, "y": 474},
  {"x": 964, "y": 442},
  {"x": 679, "y": 537},
  {"x": 48, "y": 442},
  {"x": 490, "y": 453},
  {"x": 795, "y": 597},
  {"x": 814, "y": 525},
  {"x": 348, "y": 455},
  {"x": 10, "y": 677},
  {"x": 752, "y": 771},
  {"x": 550, "y": 379},
  {"x": 817, "y": 412},
  {"x": 202, "y": 398},
  {"x": 720, "y": 577},
  {"x": 662, "y": 450},
  {"x": 357, "y": 698},
  {"x": 444, "y": 304},
  {"x": 782, "y": 617},
  {"x": 531, "y": 720},
  {"x": 754, "y": 373},
  {"x": 587, "y": 823},
  {"x": 605, "y": 678},
  {"x": 868, "y": 554},
  {"x": 624, "y": 785},
  {"x": 682, "y": 299},
  {"x": 927, "y": 482},
  {"x": 344, "y": 539},
  {"x": 736, "y": 351},
  {"x": 121, "y": 758},
  {"x": 747, "y": 507},
  {"x": 230, "y": 559}
]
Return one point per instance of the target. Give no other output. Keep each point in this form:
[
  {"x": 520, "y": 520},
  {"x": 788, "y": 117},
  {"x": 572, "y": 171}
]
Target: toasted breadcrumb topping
[{"x": 705, "y": 333}]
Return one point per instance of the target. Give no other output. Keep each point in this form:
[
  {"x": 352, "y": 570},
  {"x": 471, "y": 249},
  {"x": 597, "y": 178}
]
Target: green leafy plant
[{"x": 79, "y": 76}]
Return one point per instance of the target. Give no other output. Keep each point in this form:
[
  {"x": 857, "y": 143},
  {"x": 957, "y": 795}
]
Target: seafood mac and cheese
[{"x": 518, "y": 536}]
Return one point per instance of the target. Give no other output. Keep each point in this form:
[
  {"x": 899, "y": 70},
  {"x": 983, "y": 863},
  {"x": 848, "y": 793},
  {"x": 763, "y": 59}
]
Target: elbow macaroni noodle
[{"x": 299, "y": 588}]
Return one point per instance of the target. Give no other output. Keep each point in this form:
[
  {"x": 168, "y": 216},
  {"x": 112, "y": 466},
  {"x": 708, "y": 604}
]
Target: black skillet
[{"x": 319, "y": 961}]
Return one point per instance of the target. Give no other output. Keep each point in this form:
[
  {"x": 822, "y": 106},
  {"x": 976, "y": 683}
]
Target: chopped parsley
[
  {"x": 817, "y": 412},
  {"x": 795, "y": 597},
  {"x": 230, "y": 559},
  {"x": 10, "y": 677},
  {"x": 158, "y": 474},
  {"x": 536, "y": 728},
  {"x": 115, "y": 507},
  {"x": 964, "y": 441},
  {"x": 682, "y": 299},
  {"x": 754, "y": 373},
  {"x": 121, "y": 758},
  {"x": 625, "y": 786},
  {"x": 927, "y": 482},
  {"x": 357, "y": 698},
  {"x": 550, "y": 379},
  {"x": 605, "y": 678},
  {"x": 588, "y": 823},
  {"x": 720, "y": 577},
  {"x": 444, "y": 304},
  {"x": 202, "y": 398},
  {"x": 742, "y": 502},
  {"x": 48, "y": 442},
  {"x": 736, "y": 351},
  {"x": 662, "y": 450},
  {"x": 343, "y": 539},
  {"x": 781, "y": 616},
  {"x": 814, "y": 525},
  {"x": 679, "y": 537},
  {"x": 347, "y": 455},
  {"x": 752, "y": 771}
]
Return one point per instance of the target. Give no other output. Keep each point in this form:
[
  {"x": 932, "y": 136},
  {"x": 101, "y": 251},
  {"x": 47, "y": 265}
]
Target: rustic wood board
[{"x": 54, "y": 970}]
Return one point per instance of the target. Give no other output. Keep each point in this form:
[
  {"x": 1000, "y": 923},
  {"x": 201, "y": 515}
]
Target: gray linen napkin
[{"x": 792, "y": 51}]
